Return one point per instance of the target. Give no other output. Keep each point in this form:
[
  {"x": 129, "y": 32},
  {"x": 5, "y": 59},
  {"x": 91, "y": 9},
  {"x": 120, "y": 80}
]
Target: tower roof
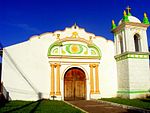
[
  {"x": 128, "y": 17},
  {"x": 131, "y": 19}
]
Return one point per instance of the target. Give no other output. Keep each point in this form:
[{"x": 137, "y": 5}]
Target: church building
[{"x": 74, "y": 64}]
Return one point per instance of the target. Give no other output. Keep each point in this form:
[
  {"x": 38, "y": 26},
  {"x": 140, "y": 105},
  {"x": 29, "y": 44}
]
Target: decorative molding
[
  {"x": 133, "y": 92},
  {"x": 76, "y": 63},
  {"x": 74, "y": 49},
  {"x": 75, "y": 57},
  {"x": 123, "y": 24},
  {"x": 75, "y": 39},
  {"x": 134, "y": 55}
]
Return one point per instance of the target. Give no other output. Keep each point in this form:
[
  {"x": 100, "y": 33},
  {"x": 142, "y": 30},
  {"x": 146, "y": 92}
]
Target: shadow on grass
[
  {"x": 132, "y": 111},
  {"x": 36, "y": 106},
  {"x": 3, "y": 101},
  {"x": 145, "y": 100},
  {"x": 26, "y": 105}
]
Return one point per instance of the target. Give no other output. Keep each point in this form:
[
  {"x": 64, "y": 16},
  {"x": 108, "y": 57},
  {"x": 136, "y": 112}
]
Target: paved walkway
[{"x": 96, "y": 107}]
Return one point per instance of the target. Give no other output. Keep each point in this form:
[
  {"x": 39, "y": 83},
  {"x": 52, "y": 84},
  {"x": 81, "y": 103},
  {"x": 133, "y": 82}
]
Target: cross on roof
[{"x": 128, "y": 8}]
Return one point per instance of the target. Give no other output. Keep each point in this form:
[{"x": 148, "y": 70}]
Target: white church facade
[{"x": 74, "y": 64}]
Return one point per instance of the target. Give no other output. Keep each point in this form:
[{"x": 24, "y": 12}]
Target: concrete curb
[
  {"x": 124, "y": 106},
  {"x": 75, "y": 107}
]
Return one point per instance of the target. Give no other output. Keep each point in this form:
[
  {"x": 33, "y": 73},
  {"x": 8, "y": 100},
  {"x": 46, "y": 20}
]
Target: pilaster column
[
  {"x": 52, "y": 92},
  {"x": 58, "y": 79},
  {"x": 91, "y": 79},
  {"x": 96, "y": 79}
]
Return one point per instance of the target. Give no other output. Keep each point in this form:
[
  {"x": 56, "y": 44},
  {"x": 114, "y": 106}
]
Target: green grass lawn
[
  {"x": 141, "y": 103},
  {"x": 41, "y": 106}
]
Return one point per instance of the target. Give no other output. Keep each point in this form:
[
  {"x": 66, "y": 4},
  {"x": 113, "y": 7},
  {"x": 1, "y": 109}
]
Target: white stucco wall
[
  {"x": 139, "y": 76},
  {"x": 24, "y": 64},
  {"x": 107, "y": 68},
  {"x": 123, "y": 77},
  {"x": 26, "y": 70},
  {"x": 133, "y": 78}
]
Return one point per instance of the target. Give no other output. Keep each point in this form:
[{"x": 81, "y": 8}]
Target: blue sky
[{"x": 20, "y": 19}]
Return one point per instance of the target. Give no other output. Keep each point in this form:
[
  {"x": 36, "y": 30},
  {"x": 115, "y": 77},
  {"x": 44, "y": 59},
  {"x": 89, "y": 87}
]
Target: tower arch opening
[
  {"x": 137, "y": 43},
  {"x": 121, "y": 44}
]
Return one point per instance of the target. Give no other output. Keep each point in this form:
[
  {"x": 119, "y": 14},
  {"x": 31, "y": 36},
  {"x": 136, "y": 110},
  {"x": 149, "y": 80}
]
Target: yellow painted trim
[
  {"x": 75, "y": 65},
  {"x": 58, "y": 79},
  {"x": 96, "y": 79},
  {"x": 52, "y": 92},
  {"x": 75, "y": 57},
  {"x": 134, "y": 55},
  {"x": 91, "y": 79}
]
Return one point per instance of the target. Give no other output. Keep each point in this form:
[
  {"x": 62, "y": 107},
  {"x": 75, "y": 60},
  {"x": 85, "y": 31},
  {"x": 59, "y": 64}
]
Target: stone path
[{"x": 96, "y": 107}]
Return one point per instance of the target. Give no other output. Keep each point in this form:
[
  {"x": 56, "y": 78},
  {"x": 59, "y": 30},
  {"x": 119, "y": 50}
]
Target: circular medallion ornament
[{"x": 74, "y": 48}]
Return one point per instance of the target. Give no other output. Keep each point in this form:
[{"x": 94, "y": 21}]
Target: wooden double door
[{"x": 74, "y": 84}]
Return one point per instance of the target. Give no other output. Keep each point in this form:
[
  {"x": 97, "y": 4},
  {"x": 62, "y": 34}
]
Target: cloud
[{"x": 25, "y": 27}]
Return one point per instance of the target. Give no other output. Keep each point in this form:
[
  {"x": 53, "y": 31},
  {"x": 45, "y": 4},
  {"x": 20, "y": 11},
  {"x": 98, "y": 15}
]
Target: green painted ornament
[
  {"x": 145, "y": 19},
  {"x": 113, "y": 25},
  {"x": 125, "y": 17}
]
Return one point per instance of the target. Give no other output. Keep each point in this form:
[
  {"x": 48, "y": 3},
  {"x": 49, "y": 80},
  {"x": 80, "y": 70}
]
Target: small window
[{"x": 137, "y": 43}]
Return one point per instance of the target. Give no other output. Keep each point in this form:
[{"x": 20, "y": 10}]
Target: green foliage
[
  {"x": 41, "y": 106},
  {"x": 141, "y": 103}
]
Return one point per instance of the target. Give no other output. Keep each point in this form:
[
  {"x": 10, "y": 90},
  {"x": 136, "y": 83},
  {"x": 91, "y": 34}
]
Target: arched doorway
[{"x": 74, "y": 84}]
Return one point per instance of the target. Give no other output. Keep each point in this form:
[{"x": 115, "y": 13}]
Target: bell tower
[{"x": 132, "y": 56}]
